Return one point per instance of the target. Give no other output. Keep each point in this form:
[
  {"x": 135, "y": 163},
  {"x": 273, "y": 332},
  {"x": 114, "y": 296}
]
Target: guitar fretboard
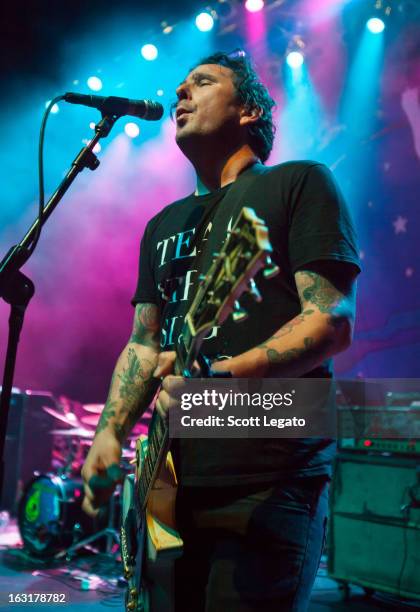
[{"x": 157, "y": 444}]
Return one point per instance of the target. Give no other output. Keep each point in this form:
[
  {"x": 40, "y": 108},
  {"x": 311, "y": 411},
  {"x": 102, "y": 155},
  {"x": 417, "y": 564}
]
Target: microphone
[{"x": 112, "y": 105}]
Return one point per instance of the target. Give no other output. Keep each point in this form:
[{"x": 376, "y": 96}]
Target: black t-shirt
[{"x": 307, "y": 221}]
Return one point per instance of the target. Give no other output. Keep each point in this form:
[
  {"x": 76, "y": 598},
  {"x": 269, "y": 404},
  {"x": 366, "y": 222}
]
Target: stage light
[
  {"x": 55, "y": 108},
  {"x": 204, "y": 22},
  {"x": 132, "y": 129},
  {"x": 253, "y": 6},
  {"x": 92, "y": 125},
  {"x": 94, "y": 83},
  {"x": 294, "y": 59},
  {"x": 149, "y": 52},
  {"x": 166, "y": 28},
  {"x": 160, "y": 92},
  {"x": 375, "y": 25}
]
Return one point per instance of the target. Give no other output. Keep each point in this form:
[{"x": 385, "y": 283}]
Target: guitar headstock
[{"x": 246, "y": 250}]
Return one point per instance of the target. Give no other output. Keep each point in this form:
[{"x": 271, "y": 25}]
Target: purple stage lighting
[{"x": 253, "y": 6}]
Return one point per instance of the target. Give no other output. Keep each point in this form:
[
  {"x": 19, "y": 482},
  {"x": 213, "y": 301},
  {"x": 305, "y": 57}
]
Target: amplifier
[
  {"x": 374, "y": 534},
  {"x": 372, "y": 420},
  {"x": 28, "y": 445},
  {"x": 375, "y": 445}
]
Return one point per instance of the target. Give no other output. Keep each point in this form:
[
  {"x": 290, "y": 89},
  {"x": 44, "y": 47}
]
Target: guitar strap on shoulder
[{"x": 235, "y": 195}]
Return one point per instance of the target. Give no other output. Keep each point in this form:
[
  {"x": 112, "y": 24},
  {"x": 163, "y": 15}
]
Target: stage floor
[{"x": 91, "y": 582}]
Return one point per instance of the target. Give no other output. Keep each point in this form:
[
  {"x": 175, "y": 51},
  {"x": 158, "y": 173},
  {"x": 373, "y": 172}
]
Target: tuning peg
[
  {"x": 271, "y": 268},
  {"x": 239, "y": 314},
  {"x": 253, "y": 290}
]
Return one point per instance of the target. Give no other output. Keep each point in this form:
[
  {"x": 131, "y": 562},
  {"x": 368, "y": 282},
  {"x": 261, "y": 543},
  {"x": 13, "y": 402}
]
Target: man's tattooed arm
[
  {"x": 323, "y": 328},
  {"x": 132, "y": 385}
]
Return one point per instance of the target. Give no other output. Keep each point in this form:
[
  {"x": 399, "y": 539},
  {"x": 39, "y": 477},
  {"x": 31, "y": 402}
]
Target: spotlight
[
  {"x": 92, "y": 125},
  {"x": 294, "y": 59},
  {"x": 166, "y": 28},
  {"x": 375, "y": 25},
  {"x": 55, "y": 108},
  {"x": 204, "y": 22},
  {"x": 160, "y": 92},
  {"x": 94, "y": 83},
  {"x": 132, "y": 129},
  {"x": 149, "y": 52},
  {"x": 253, "y": 6}
]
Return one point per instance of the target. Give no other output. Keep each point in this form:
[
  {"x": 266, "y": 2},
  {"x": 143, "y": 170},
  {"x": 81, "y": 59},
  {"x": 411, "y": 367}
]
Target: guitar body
[{"x": 158, "y": 542}]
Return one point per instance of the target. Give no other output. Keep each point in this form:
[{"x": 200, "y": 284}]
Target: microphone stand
[{"x": 17, "y": 289}]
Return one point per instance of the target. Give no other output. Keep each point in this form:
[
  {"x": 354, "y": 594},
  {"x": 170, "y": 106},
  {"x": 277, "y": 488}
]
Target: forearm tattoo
[
  {"x": 133, "y": 376},
  {"x": 288, "y": 327},
  {"x": 132, "y": 385},
  {"x": 275, "y": 356},
  {"x": 317, "y": 294}
]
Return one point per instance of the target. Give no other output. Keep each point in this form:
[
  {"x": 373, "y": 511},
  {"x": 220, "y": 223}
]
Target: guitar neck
[{"x": 158, "y": 434}]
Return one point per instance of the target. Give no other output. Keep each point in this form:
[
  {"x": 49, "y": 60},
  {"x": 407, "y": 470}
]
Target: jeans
[{"x": 249, "y": 550}]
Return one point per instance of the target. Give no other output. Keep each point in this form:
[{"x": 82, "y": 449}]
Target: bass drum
[{"x": 50, "y": 515}]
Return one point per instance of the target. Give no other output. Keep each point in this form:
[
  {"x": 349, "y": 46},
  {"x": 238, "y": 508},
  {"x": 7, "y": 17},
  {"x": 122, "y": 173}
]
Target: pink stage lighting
[{"x": 253, "y": 6}]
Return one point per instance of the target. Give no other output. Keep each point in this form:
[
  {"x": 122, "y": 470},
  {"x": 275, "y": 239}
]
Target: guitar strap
[{"x": 235, "y": 195}]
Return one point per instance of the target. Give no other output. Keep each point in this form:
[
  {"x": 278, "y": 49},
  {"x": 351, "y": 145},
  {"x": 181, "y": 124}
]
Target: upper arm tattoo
[
  {"x": 146, "y": 326},
  {"x": 316, "y": 290}
]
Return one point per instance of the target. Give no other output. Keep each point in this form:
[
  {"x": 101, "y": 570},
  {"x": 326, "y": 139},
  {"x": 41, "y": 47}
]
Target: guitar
[{"x": 148, "y": 530}]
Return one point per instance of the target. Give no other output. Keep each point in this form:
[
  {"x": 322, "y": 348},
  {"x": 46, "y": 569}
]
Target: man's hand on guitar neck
[{"x": 164, "y": 370}]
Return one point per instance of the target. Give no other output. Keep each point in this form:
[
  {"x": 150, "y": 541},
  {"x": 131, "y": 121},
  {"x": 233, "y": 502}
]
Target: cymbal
[
  {"x": 90, "y": 419},
  {"x": 95, "y": 408},
  {"x": 71, "y": 421},
  {"x": 77, "y": 432}
]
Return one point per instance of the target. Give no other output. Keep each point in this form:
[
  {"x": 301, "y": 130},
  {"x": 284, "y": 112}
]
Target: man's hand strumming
[{"x": 101, "y": 471}]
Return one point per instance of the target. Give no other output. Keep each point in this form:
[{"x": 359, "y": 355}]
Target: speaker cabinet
[
  {"x": 28, "y": 445},
  {"x": 374, "y": 535}
]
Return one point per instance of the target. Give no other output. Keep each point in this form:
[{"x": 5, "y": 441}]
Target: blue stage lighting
[
  {"x": 375, "y": 25},
  {"x": 149, "y": 52},
  {"x": 54, "y": 109},
  {"x": 204, "y": 22},
  {"x": 294, "y": 59},
  {"x": 132, "y": 129},
  {"x": 94, "y": 83}
]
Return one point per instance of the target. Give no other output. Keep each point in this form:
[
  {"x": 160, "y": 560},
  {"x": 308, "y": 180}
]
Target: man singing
[{"x": 252, "y": 512}]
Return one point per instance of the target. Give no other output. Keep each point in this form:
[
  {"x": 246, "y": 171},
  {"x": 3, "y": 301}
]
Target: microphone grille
[{"x": 154, "y": 110}]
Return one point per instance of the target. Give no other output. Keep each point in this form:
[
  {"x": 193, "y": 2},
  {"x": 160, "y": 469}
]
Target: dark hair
[{"x": 252, "y": 94}]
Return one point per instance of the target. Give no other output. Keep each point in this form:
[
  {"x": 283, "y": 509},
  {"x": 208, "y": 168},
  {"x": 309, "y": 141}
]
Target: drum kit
[{"x": 51, "y": 520}]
